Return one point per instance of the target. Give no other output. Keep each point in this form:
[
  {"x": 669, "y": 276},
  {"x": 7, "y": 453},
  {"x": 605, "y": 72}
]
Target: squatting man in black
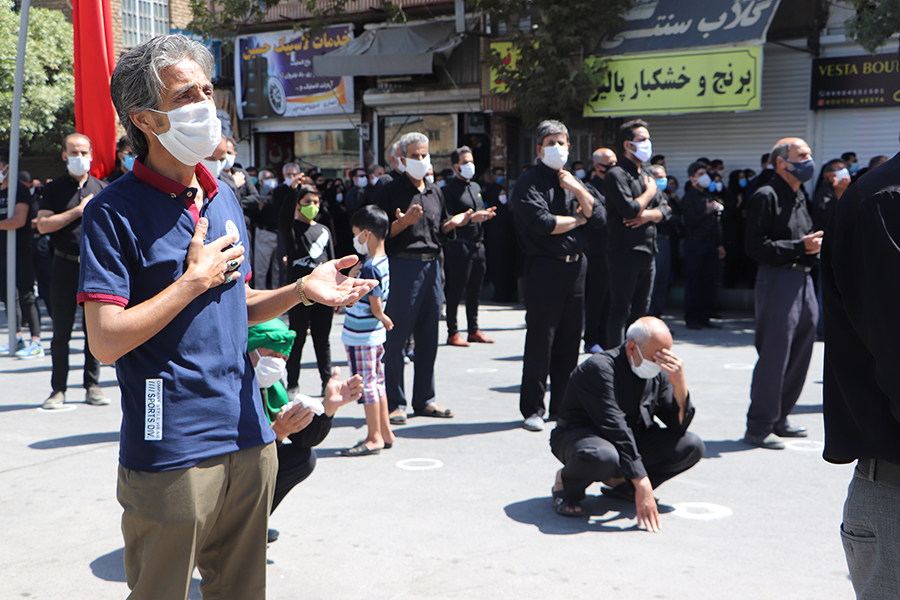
[{"x": 606, "y": 430}]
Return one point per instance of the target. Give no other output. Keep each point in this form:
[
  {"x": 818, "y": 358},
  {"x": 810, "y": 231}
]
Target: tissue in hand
[{"x": 308, "y": 402}]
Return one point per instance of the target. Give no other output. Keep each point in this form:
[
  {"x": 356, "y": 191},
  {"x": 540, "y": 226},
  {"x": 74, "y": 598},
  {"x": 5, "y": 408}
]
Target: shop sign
[
  {"x": 274, "y": 76},
  {"x": 855, "y": 82},
  {"x": 679, "y": 82},
  {"x": 510, "y": 57}
]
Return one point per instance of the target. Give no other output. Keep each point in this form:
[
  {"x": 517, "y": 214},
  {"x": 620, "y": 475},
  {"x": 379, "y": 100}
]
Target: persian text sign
[
  {"x": 275, "y": 77},
  {"x": 679, "y": 82},
  {"x": 855, "y": 81}
]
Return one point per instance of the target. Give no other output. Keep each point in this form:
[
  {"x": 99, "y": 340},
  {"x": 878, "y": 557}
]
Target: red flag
[{"x": 95, "y": 116}]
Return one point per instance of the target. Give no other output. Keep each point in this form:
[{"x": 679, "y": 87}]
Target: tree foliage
[
  {"x": 874, "y": 23},
  {"x": 48, "y": 98},
  {"x": 550, "y": 77}
]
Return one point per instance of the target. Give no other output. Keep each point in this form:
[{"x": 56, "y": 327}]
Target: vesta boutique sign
[{"x": 855, "y": 81}]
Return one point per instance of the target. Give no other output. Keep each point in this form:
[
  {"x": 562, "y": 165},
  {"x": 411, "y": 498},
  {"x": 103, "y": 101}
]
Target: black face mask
[{"x": 602, "y": 168}]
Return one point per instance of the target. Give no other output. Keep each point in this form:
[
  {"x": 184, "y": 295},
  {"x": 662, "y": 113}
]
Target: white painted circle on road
[
  {"x": 481, "y": 370},
  {"x": 64, "y": 408},
  {"x": 420, "y": 464},
  {"x": 805, "y": 445},
  {"x": 701, "y": 511},
  {"x": 739, "y": 366}
]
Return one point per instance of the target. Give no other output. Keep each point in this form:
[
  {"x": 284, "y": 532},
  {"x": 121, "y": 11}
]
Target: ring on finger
[
  {"x": 228, "y": 278},
  {"x": 233, "y": 264}
]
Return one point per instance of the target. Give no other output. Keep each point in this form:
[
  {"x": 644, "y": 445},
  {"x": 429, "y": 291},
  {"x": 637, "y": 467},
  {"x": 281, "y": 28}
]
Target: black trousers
[
  {"x": 596, "y": 301},
  {"x": 701, "y": 263},
  {"x": 63, "y": 291},
  {"x": 295, "y": 464},
  {"x": 27, "y": 305},
  {"x": 317, "y": 319},
  {"x": 42, "y": 260},
  {"x": 464, "y": 266},
  {"x": 554, "y": 310},
  {"x": 588, "y": 457},
  {"x": 631, "y": 275}
]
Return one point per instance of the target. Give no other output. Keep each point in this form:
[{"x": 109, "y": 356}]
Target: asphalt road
[{"x": 459, "y": 508}]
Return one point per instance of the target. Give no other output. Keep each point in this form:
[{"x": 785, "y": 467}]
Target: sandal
[
  {"x": 565, "y": 507},
  {"x": 360, "y": 450}
]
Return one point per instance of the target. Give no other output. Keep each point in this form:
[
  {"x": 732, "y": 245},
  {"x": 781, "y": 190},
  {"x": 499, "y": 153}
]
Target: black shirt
[
  {"x": 267, "y": 216},
  {"x": 598, "y": 237},
  {"x": 425, "y": 234},
  {"x": 823, "y": 205},
  {"x": 23, "y": 233},
  {"x": 698, "y": 223},
  {"x": 537, "y": 200},
  {"x": 461, "y": 195},
  {"x": 246, "y": 194},
  {"x": 605, "y": 395},
  {"x": 777, "y": 220},
  {"x": 62, "y": 194},
  {"x": 860, "y": 257},
  {"x": 355, "y": 199},
  {"x": 623, "y": 183}
]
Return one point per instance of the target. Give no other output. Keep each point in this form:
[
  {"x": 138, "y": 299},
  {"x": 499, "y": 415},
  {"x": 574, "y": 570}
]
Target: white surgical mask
[
  {"x": 360, "y": 246},
  {"x": 580, "y": 173},
  {"x": 647, "y": 370},
  {"x": 270, "y": 184},
  {"x": 229, "y": 162},
  {"x": 839, "y": 175},
  {"x": 467, "y": 171},
  {"x": 502, "y": 198},
  {"x": 339, "y": 197},
  {"x": 441, "y": 183},
  {"x": 362, "y": 181},
  {"x": 194, "y": 132},
  {"x": 374, "y": 180},
  {"x": 704, "y": 181},
  {"x": 417, "y": 169},
  {"x": 642, "y": 150},
  {"x": 555, "y": 156},
  {"x": 429, "y": 178},
  {"x": 720, "y": 186},
  {"x": 3, "y": 178},
  {"x": 215, "y": 166},
  {"x": 400, "y": 166},
  {"x": 269, "y": 370},
  {"x": 78, "y": 165}
]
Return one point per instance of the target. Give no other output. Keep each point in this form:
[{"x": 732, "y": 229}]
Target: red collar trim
[{"x": 173, "y": 188}]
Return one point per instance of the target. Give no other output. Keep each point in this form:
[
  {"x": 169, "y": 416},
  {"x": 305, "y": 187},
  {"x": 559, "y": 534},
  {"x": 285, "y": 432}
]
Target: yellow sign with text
[{"x": 679, "y": 82}]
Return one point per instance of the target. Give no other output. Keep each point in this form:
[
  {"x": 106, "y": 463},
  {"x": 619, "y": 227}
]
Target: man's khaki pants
[{"x": 214, "y": 515}]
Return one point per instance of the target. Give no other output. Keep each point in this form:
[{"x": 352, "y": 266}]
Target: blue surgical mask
[
  {"x": 720, "y": 186},
  {"x": 128, "y": 162},
  {"x": 712, "y": 187},
  {"x": 742, "y": 183},
  {"x": 854, "y": 168},
  {"x": 803, "y": 170},
  {"x": 500, "y": 180},
  {"x": 662, "y": 182}
]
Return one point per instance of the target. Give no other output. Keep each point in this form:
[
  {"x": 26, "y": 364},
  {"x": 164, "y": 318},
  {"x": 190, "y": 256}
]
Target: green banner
[{"x": 679, "y": 82}]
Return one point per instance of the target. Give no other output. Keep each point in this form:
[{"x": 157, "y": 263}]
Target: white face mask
[
  {"x": 3, "y": 178},
  {"x": 362, "y": 181},
  {"x": 467, "y": 171},
  {"x": 270, "y": 184},
  {"x": 647, "y": 370},
  {"x": 417, "y": 169},
  {"x": 400, "y": 166},
  {"x": 194, "y": 132},
  {"x": 839, "y": 175},
  {"x": 642, "y": 150},
  {"x": 360, "y": 246},
  {"x": 502, "y": 198},
  {"x": 429, "y": 178},
  {"x": 215, "y": 166},
  {"x": 441, "y": 183},
  {"x": 339, "y": 197},
  {"x": 555, "y": 156},
  {"x": 374, "y": 180},
  {"x": 269, "y": 370},
  {"x": 704, "y": 181},
  {"x": 78, "y": 165},
  {"x": 229, "y": 162},
  {"x": 580, "y": 173}
]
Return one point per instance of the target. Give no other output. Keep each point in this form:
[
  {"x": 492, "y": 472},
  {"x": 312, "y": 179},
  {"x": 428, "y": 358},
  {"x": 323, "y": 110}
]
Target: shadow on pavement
[
  {"x": 12, "y": 407},
  {"x": 450, "y": 430},
  {"x": 76, "y": 440},
  {"x": 603, "y": 515},
  {"x": 807, "y": 409},
  {"x": 35, "y": 369},
  {"x": 716, "y": 448},
  {"x": 508, "y": 358},
  {"x": 506, "y": 389},
  {"x": 110, "y": 567}
]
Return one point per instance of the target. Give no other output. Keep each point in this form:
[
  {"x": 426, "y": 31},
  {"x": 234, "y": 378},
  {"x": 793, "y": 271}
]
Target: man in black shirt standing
[
  {"x": 702, "y": 248},
  {"x": 550, "y": 206},
  {"x": 596, "y": 293},
  {"x": 419, "y": 220},
  {"x": 464, "y": 256},
  {"x": 860, "y": 401},
  {"x": 59, "y": 214},
  {"x": 781, "y": 239},
  {"x": 634, "y": 209},
  {"x": 266, "y": 254}
]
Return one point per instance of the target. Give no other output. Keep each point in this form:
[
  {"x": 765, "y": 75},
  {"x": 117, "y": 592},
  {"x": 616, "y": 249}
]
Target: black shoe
[
  {"x": 768, "y": 441},
  {"x": 694, "y": 326},
  {"x": 273, "y": 535},
  {"x": 711, "y": 325},
  {"x": 791, "y": 432}
]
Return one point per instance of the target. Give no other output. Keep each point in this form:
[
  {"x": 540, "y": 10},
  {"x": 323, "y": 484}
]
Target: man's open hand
[{"x": 327, "y": 285}]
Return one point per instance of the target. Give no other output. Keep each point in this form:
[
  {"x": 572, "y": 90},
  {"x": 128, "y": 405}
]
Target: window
[
  {"x": 143, "y": 19},
  {"x": 331, "y": 152},
  {"x": 440, "y": 130}
]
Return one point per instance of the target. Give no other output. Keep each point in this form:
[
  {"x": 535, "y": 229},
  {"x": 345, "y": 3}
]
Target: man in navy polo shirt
[{"x": 163, "y": 282}]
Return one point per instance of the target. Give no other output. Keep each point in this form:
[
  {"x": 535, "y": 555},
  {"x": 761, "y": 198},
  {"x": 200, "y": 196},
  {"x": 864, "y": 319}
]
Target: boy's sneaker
[
  {"x": 4, "y": 349},
  {"x": 94, "y": 396},
  {"x": 32, "y": 350}
]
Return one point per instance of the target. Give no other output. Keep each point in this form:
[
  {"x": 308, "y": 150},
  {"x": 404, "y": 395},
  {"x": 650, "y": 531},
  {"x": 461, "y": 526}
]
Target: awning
[
  {"x": 664, "y": 25},
  {"x": 403, "y": 50}
]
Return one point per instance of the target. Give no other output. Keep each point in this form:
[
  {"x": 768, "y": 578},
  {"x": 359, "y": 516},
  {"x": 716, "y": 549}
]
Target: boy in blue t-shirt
[{"x": 366, "y": 327}]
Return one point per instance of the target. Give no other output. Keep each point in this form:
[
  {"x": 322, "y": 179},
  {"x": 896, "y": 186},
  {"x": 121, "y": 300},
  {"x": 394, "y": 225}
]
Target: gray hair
[
  {"x": 408, "y": 139},
  {"x": 550, "y": 127},
  {"x": 782, "y": 149},
  {"x": 263, "y": 172},
  {"x": 373, "y": 167},
  {"x": 288, "y": 165},
  {"x": 657, "y": 170},
  {"x": 137, "y": 85},
  {"x": 643, "y": 329}
]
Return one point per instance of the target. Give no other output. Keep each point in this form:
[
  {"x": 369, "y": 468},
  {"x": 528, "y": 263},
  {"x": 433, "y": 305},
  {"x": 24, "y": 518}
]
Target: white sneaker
[
  {"x": 32, "y": 350},
  {"x": 534, "y": 423}
]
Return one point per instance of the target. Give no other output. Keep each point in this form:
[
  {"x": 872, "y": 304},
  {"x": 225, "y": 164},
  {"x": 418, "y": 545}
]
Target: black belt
[
  {"x": 882, "y": 471},
  {"x": 72, "y": 257},
  {"x": 799, "y": 267},
  {"x": 569, "y": 258},
  {"x": 425, "y": 256}
]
